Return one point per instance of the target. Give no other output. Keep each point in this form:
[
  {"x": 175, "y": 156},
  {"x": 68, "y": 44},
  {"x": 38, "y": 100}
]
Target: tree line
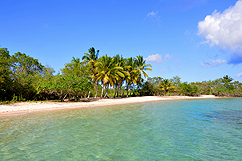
[
  {"x": 224, "y": 86},
  {"x": 24, "y": 78}
]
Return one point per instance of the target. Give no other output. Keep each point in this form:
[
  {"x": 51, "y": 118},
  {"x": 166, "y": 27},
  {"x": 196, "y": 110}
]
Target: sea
[{"x": 205, "y": 129}]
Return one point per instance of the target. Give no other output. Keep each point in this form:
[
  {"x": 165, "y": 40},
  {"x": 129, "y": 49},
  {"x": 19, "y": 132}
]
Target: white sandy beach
[{"x": 25, "y": 107}]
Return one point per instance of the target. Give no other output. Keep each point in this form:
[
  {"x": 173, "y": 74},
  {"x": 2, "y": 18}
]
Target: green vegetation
[
  {"x": 23, "y": 78},
  {"x": 219, "y": 87}
]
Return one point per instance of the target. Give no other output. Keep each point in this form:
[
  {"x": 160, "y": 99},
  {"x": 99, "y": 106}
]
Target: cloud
[
  {"x": 213, "y": 63},
  {"x": 239, "y": 75},
  {"x": 205, "y": 42},
  {"x": 168, "y": 56},
  {"x": 157, "y": 58},
  {"x": 224, "y": 30},
  {"x": 152, "y": 14}
]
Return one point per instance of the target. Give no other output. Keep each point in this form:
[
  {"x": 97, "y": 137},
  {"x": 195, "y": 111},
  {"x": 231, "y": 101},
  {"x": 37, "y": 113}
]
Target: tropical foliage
[
  {"x": 165, "y": 85},
  {"x": 220, "y": 87},
  {"x": 25, "y": 78}
]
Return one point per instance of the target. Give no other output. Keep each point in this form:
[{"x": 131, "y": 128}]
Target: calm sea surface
[{"x": 208, "y": 129}]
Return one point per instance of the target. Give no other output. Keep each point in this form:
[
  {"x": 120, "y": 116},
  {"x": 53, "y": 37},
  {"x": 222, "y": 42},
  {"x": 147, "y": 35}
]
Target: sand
[{"x": 26, "y": 107}]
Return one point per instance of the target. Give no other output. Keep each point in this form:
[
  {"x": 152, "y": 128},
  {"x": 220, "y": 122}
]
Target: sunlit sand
[{"x": 26, "y": 107}]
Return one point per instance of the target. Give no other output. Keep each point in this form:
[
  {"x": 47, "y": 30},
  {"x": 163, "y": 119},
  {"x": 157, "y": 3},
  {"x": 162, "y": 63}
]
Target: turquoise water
[{"x": 208, "y": 129}]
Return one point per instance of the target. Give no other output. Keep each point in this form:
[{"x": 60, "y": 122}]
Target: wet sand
[{"x": 26, "y": 107}]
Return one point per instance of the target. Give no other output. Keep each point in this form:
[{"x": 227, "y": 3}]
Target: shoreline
[{"x": 23, "y": 108}]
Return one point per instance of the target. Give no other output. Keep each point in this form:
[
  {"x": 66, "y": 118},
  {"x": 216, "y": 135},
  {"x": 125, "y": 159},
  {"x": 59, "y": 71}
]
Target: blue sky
[{"x": 196, "y": 40}]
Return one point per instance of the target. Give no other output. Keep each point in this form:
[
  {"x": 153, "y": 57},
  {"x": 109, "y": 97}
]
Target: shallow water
[{"x": 208, "y": 129}]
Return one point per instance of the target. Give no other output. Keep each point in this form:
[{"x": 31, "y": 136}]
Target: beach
[{"x": 30, "y": 107}]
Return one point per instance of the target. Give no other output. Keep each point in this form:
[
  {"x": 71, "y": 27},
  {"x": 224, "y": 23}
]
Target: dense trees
[
  {"x": 6, "y": 83},
  {"x": 18, "y": 75},
  {"x": 25, "y": 78},
  {"x": 219, "y": 87},
  {"x": 165, "y": 85}
]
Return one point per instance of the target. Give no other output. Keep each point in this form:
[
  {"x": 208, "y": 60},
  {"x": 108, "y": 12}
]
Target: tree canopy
[{"x": 23, "y": 77}]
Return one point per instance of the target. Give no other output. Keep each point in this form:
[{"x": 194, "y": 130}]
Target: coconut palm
[
  {"x": 165, "y": 86},
  {"x": 134, "y": 74},
  {"x": 90, "y": 58},
  {"x": 120, "y": 61},
  {"x": 108, "y": 72},
  {"x": 141, "y": 66}
]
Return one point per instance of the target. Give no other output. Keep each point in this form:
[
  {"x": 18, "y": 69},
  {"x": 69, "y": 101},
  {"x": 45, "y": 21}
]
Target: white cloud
[
  {"x": 168, "y": 56},
  {"x": 205, "y": 42},
  {"x": 152, "y": 14},
  {"x": 224, "y": 29},
  {"x": 213, "y": 63},
  {"x": 239, "y": 75},
  {"x": 157, "y": 58}
]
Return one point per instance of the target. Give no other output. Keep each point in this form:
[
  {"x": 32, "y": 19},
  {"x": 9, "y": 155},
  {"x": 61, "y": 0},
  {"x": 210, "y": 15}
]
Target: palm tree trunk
[
  {"x": 89, "y": 94},
  {"x": 96, "y": 91},
  {"x": 124, "y": 88},
  {"x": 102, "y": 92},
  {"x": 128, "y": 92},
  {"x": 115, "y": 93},
  {"x": 120, "y": 90},
  {"x": 132, "y": 90},
  {"x": 106, "y": 94}
]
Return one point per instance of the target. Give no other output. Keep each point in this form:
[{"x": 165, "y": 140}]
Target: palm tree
[
  {"x": 120, "y": 61},
  {"x": 141, "y": 66},
  {"x": 134, "y": 74},
  {"x": 90, "y": 58},
  {"x": 137, "y": 68},
  {"x": 165, "y": 85},
  {"x": 108, "y": 72}
]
